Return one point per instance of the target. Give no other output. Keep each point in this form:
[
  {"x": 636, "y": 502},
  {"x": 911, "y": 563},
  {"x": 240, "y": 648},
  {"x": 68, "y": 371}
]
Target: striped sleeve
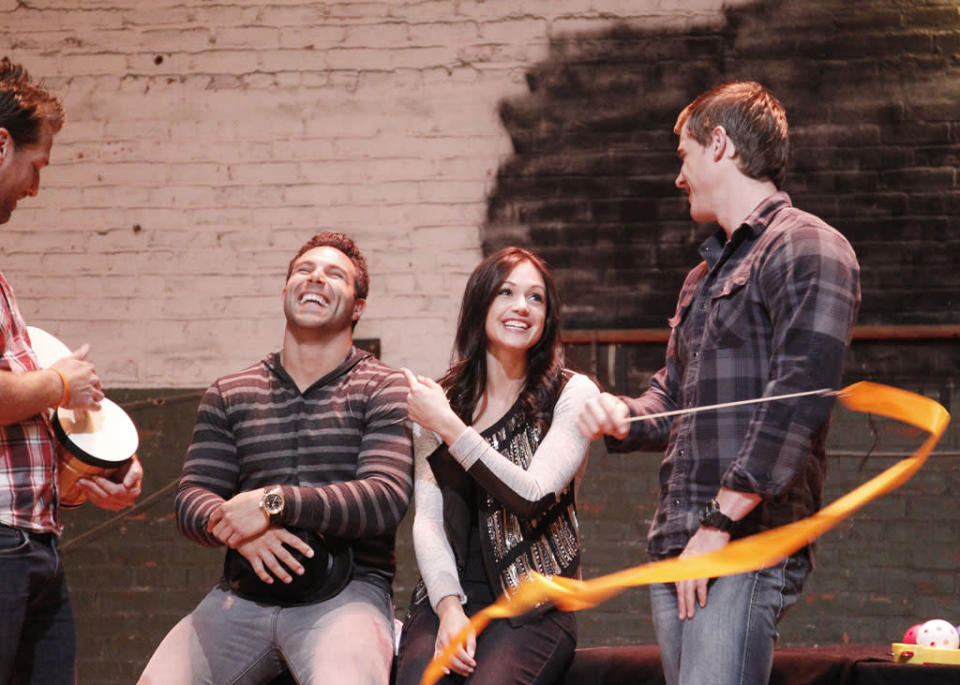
[{"x": 210, "y": 470}]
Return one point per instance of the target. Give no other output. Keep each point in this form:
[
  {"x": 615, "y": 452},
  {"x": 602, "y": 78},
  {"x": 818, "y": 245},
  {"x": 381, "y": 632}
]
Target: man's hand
[
  {"x": 239, "y": 518},
  {"x": 692, "y": 592},
  {"x": 734, "y": 505},
  {"x": 604, "y": 414},
  {"x": 266, "y": 551},
  {"x": 85, "y": 391},
  {"x": 117, "y": 492},
  {"x": 452, "y": 620}
]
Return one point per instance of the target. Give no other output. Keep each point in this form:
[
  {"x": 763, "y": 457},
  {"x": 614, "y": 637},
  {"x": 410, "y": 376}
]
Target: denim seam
[
  {"x": 746, "y": 633},
  {"x": 23, "y": 544},
  {"x": 276, "y": 641},
  {"x": 781, "y": 568},
  {"x": 266, "y": 652}
]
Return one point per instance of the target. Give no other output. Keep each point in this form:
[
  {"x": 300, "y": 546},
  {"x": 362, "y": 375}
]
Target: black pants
[
  {"x": 37, "y": 637},
  {"x": 536, "y": 653}
]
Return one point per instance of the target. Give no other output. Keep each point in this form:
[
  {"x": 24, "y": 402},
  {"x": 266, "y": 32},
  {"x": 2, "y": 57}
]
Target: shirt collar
[
  {"x": 758, "y": 220},
  {"x": 752, "y": 227},
  {"x": 354, "y": 357}
]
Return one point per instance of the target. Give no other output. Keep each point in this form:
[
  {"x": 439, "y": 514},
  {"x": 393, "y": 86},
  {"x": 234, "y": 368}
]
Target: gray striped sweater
[{"x": 341, "y": 451}]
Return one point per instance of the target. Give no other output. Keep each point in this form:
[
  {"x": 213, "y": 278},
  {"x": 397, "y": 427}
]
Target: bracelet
[{"x": 65, "y": 397}]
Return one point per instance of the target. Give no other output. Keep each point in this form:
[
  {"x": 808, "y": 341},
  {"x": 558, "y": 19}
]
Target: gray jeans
[{"x": 228, "y": 640}]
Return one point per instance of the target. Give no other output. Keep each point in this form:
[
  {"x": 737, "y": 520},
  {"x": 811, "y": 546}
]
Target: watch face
[
  {"x": 273, "y": 502},
  {"x": 712, "y": 517},
  {"x": 715, "y": 520}
]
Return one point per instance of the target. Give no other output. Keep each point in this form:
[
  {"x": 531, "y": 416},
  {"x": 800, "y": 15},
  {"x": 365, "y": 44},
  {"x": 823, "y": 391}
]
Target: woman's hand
[
  {"x": 452, "y": 621},
  {"x": 427, "y": 405}
]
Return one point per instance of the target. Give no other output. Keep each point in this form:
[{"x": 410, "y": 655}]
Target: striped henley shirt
[{"x": 340, "y": 450}]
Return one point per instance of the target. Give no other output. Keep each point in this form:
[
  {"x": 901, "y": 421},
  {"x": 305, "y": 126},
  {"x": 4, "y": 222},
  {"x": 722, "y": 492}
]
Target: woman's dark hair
[{"x": 466, "y": 379}]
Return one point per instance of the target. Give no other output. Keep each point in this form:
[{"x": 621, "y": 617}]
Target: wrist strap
[{"x": 65, "y": 397}]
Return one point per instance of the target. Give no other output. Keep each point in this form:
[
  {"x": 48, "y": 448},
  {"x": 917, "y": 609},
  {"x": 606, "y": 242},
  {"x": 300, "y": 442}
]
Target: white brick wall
[{"x": 206, "y": 141}]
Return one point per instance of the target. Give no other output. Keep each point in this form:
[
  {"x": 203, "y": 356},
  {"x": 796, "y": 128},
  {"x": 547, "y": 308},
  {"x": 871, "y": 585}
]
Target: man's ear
[
  {"x": 6, "y": 145},
  {"x": 721, "y": 145},
  {"x": 358, "y": 307}
]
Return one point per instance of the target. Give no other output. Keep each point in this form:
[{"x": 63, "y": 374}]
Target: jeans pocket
[{"x": 12, "y": 540}]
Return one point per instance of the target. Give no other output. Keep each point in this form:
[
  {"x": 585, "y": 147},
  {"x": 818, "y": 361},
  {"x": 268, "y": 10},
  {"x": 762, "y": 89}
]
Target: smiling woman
[
  {"x": 497, "y": 457},
  {"x": 516, "y": 316}
]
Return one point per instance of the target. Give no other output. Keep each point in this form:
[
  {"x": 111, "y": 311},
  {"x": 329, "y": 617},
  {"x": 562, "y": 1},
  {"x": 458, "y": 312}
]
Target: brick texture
[
  {"x": 869, "y": 93},
  {"x": 892, "y": 565}
]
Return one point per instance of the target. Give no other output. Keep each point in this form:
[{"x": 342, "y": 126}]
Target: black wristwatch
[
  {"x": 712, "y": 517},
  {"x": 272, "y": 504}
]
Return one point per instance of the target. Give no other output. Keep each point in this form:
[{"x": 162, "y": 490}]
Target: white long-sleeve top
[{"x": 559, "y": 459}]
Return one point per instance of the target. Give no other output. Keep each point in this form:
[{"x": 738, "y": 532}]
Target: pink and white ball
[{"x": 938, "y": 633}]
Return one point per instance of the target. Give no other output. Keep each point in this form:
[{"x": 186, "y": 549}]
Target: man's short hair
[
  {"x": 752, "y": 117},
  {"x": 25, "y": 106},
  {"x": 361, "y": 284}
]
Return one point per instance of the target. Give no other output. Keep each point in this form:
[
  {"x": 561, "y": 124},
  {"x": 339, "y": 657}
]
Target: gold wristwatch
[{"x": 272, "y": 504}]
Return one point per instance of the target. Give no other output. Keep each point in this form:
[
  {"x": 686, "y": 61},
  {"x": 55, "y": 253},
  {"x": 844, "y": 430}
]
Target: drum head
[
  {"x": 105, "y": 438},
  {"x": 47, "y": 347}
]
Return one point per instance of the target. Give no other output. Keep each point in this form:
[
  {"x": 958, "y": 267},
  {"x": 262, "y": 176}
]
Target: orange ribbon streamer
[{"x": 740, "y": 556}]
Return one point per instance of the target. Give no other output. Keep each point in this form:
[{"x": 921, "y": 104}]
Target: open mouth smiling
[{"x": 316, "y": 298}]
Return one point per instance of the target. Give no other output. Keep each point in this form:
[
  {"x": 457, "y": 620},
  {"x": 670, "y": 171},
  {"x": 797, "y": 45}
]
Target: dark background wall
[{"x": 871, "y": 93}]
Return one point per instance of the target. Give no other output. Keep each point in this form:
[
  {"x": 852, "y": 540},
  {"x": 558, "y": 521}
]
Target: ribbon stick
[
  {"x": 724, "y": 405},
  {"x": 740, "y": 556}
]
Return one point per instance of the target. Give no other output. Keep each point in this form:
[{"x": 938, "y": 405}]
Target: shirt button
[{"x": 676, "y": 503}]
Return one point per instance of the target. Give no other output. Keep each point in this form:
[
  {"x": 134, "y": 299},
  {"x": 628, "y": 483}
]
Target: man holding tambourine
[{"x": 37, "y": 638}]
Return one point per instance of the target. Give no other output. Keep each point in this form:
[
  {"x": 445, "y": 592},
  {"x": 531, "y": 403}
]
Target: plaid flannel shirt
[
  {"x": 768, "y": 312},
  {"x": 28, "y": 449}
]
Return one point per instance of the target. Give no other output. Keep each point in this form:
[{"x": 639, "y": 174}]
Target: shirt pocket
[
  {"x": 674, "y": 345},
  {"x": 732, "y": 315}
]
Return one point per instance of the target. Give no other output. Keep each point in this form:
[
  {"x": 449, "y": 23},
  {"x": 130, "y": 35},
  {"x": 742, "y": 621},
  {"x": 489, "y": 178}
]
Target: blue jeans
[
  {"x": 38, "y": 642},
  {"x": 228, "y": 640},
  {"x": 731, "y": 640}
]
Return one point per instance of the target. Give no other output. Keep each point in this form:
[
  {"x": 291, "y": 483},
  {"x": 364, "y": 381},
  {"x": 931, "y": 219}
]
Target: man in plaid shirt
[
  {"x": 768, "y": 312},
  {"x": 37, "y": 640}
]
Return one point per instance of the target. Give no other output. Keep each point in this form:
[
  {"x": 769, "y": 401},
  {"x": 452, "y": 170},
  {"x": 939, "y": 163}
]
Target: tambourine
[{"x": 93, "y": 443}]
